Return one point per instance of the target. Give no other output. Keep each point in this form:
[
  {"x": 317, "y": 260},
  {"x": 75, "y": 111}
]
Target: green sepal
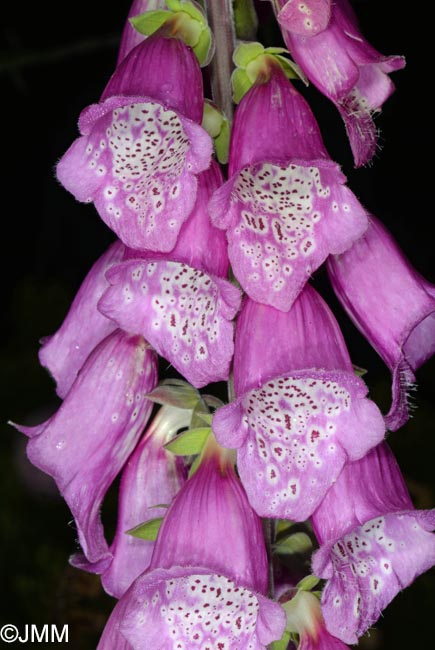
[
  {"x": 283, "y": 527},
  {"x": 308, "y": 583},
  {"x": 240, "y": 83},
  {"x": 175, "y": 392},
  {"x": 245, "y": 19},
  {"x": 148, "y": 530},
  {"x": 150, "y": 22},
  {"x": 196, "y": 463},
  {"x": 360, "y": 372},
  {"x": 200, "y": 415},
  {"x": 218, "y": 128},
  {"x": 282, "y": 644},
  {"x": 291, "y": 69},
  {"x": 247, "y": 52},
  {"x": 189, "y": 442},
  {"x": 296, "y": 543}
]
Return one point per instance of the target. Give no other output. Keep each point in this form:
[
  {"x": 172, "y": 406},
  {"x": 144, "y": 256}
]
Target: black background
[{"x": 55, "y": 59}]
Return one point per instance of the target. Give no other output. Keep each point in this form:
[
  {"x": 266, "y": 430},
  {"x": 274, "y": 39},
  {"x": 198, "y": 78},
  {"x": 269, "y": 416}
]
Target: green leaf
[
  {"x": 241, "y": 84},
  {"x": 247, "y": 52},
  {"x": 296, "y": 543},
  {"x": 175, "y": 393},
  {"x": 148, "y": 530},
  {"x": 245, "y": 19},
  {"x": 150, "y": 21},
  {"x": 282, "y": 644},
  {"x": 189, "y": 442},
  {"x": 307, "y": 583}
]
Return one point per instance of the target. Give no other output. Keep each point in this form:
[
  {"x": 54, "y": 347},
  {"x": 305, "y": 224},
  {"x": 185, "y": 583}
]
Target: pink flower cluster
[{"x": 307, "y": 440}]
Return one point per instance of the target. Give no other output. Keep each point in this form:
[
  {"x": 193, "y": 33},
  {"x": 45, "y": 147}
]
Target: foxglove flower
[
  {"x": 203, "y": 589},
  {"x": 84, "y": 445},
  {"x": 285, "y": 207},
  {"x": 304, "y": 617},
  {"x": 300, "y": 411},
  {"x": 392, "y": 305},
  {"x": 347, "y": 70},
  {"x": 151, "y": 477},
  {"x": 373, "y": 543},
  {"x": 141, "y": 147},
  {"x": 306, "y": 18},
  {"x": 64, "y": 353},
  {"x": 181, "y": 302}
]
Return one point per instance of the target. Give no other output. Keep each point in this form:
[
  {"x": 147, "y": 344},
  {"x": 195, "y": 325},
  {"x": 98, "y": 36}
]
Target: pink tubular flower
[
  {"x": 392, "y": 305},
  {"x": 64, "y": 353},
  {"x": 347, "y": 70},
  {"x": 204, "y": 589},
  {"x": 151, "y": 477},
  {"x": 141, "y": 147},
  {"x": 181, "y": 302},
  {"x": 285, "y": 207},
  {"x": 304, "y": 617},
  {"x": 300, "y": 411},
  {"x": 84, "y": 445},
  {"x": 373, "y": 543}
]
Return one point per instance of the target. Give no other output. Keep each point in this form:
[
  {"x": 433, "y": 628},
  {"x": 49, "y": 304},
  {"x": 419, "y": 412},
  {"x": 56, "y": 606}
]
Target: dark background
[{"x": 55, "y": 59}]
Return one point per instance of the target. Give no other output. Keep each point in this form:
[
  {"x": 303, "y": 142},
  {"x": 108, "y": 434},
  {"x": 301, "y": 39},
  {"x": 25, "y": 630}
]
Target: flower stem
[{"x": 220, "y": 19}]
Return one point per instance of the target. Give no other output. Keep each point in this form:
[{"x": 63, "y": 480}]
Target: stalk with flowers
[{"x": 210, "y": 270}]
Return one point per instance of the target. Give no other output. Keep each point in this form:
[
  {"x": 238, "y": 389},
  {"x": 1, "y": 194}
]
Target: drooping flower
[
  {"x": 64, "y": 353},
  {"x": 347, "y": 70},
  {"x": 84, "y": 445},
  {"x": 300, "y": 411},
  {"x": 285, "y": 207},
  {"x": 306, "y": 18},
  {"x": 141, "y": 147},
  {"x": 392, "y": 305},
  {"x": 373, "y": 543},
  {"x": 150, "y": 479},
  {"x": 304, "y": 617},
  {"x": 208, "y": 575},
  {"x": 181, "y": 302}
]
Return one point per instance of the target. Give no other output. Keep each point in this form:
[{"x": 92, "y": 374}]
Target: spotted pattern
[
  {"x": 298, "y": 432},
  {"x": 305, "y": 17},
  {"x": 137, "y": 163},
  {"x": 208, "y": 612},
  {"x": 184, "y": 313},
  {"x": 370, "y": 565},
  {"x": 282, "y": 222}
]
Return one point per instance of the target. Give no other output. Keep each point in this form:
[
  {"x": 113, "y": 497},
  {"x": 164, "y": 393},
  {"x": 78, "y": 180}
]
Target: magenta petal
[
  {"x": 300, "y": 430},
  {"x": 137, "y": 161},
  {"x": 211, "y": 611},
  {"x": 285, "y": 220},
  {"x": 130, "y": 36},
  {"x": 369, "y": 566},
  {"x": 86, "y": 443},
  {"x": 391, "y": 304},
  {"x": 65, "y": 352},
  {"x": 112, "y": 639},
  {"x": 152, "y": 476},
  {"x": 306, "y": 18},
  {"x": 184, "y": 314}
]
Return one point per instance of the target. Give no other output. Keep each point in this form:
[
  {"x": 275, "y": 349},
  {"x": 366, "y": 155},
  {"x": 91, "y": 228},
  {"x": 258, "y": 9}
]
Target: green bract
[{"x": 187, "y": 20}]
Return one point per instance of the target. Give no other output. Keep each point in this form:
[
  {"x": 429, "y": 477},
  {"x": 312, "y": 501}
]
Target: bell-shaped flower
[
  {"x": 181, "y": 302},
  {"x": 347, "y": 70},
  {"x": 304, "y": 616},
  {"x": 306, "y": 18},
  {"x": 373, "y": 543},
  {"x": 64, "y": 353},
  {"x": 208, "y": 576},
  {"x": 84, "y": 445},
  {"x": 285, "y": 207},
  {"x": 392, "y": 305},
  {"x": 141, "y": 147},
  {"x": 300, "y": 411},
  {"x": 150, "y": 479}
]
